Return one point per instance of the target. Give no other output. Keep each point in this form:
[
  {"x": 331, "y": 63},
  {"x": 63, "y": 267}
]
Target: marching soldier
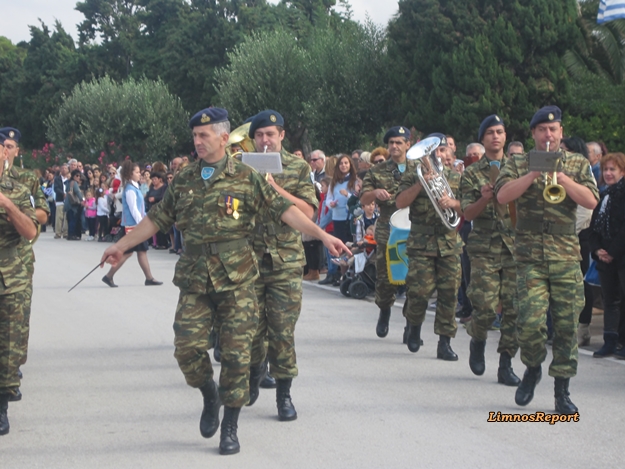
[
  {"x": 380, "y": 185},
  {"x": 434, "y": 258},
  {"x": 25, "y": 249},
  {"x": 547, "y": 254},
  {"x": 280, "y": 255},
  {"x": 17, "y": 221},
  {"x": 214, "y": 202},
  {"x": 490, "y": 247}
]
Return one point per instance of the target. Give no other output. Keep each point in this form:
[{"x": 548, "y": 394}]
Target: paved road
[{"x": 103, "y": 390}]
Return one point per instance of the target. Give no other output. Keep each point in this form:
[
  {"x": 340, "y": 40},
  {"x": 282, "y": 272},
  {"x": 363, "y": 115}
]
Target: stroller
[{"x": 359, "y": 280}]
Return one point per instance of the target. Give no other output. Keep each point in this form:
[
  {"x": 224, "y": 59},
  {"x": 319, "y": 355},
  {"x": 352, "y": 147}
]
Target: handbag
[
  {"x": 592, "y": 275},
  {"x": 73, "y": 198}
]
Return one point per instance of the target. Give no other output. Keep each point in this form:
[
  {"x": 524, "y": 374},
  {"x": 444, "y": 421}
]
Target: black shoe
[
  {"x": 413, "y": 341},
  {"x": 382, "y": 328},
  {"x": 152, "y": 282},
  {"x": 109, "y": 282},
  {"x": 328, "y": 280},
  {"x": 563, "y": 402},
  {"x": 269, "y": 382},
  {"x": 229, "y": 443},
  {"x": 525, "y": 391},
  {"x": 257, "y": 373},
  {"x": 209, "y": 421},
  {"x": 476, "y": 356},
  {"x": 4, "y": 418},
  {"x": 610, "y": 341},
  {"x": 337, "y": 281},
  {"x": 505, "y": 373},
  {"x": 14, "y": 395},
  {"x": 286, "y": 411},
  {"x": 444, "y": 350}
]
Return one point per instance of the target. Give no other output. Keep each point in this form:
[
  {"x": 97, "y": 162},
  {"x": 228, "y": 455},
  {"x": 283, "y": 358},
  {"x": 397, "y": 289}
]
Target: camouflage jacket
[
  {"x": 13, "y": 271},
  {"x": 533, "y": 245},
  {"x": 223, "y": 209},
  {"x": 490, "y": 232},
  {"x": 29, "y": 180},
  {"x": 385, "y": 176},
  {"x": 279, "y": 240},
  {"x": 428, "y": 232}
]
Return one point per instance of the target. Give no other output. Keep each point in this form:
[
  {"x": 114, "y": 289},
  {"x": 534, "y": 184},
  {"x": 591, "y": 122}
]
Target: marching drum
[{"x": 396, "y": 257}]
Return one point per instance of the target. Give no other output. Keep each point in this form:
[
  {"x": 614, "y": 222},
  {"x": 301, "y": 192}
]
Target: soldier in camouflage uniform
[
  {"x": 547, "y": 254},
  {"x": 380, "y": 185},
  {"x": 280, "y": 255},
  {"x": 25, "y": 249},
  {"x": 490, "y": 247},
  {"x": 434, "y": 258},
  {"x": 214, "y": 202},
  {"x": 17, "y": 221}
]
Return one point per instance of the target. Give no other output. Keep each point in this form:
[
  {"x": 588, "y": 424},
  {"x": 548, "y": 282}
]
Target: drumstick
[{"x": 92, "y": 271}]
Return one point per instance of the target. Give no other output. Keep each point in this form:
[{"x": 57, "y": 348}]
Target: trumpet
[
  {"x": 436, "y": 187},
  {"x": 553, "y": 193}
]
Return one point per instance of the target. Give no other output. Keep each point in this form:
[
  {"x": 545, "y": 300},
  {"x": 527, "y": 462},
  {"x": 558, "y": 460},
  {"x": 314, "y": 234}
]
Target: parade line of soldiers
[{"x": 241, "y": 271}]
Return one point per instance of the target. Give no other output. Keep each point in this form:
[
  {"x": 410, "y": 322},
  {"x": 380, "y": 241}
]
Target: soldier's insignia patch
[
  {"x": 272, "y": 118},
  {"x": 205, "y": 119},
  {"x": 401, "y": 130},
  {"x": 207, "y": 172},
  {"x": 11, "y": 134},
  {"x": 550, "y": 116}
]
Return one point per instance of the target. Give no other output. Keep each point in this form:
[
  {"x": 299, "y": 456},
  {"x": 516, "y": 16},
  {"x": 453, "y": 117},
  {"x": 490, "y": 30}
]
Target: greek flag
[{"x": 610, "y": 10}]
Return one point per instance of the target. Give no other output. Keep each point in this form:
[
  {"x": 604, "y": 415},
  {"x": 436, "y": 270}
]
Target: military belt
[
  {"x": 215, "y": 248},
  {"x": 492, "y": 225},
  {"x": 272, "y": 229},
  {"x": 545, "y": 227},
  {"x": 429, "y": 230},
  {"x": 8, "y": 253}
]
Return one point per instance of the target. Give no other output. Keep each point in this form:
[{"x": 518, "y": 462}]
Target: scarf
[{"x": 602, "y": 223}]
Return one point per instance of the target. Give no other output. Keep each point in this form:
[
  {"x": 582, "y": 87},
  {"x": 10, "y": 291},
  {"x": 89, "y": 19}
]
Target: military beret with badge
[
  {"x": 441, "y": 137},
  {"x": 546, "y": 114},
  {"x": 397, "y": 131},
  {"x": 265, "y": 119},
  {"x": 487, "y": 123},
  {"x": 211, "y": 115},
  {"x": 11, "y": 133}
]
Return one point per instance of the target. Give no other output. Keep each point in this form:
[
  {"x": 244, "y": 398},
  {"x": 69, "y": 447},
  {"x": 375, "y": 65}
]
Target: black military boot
[
  {"x": 476, "y": 356},
  {"x": 505, "y": 373},
  {"x": 382, "y": 328},
  {"x": 444, "y": 351},
  {"x": 563, "y": 402},
  {"x": 257, "y": 374},
  {"x": 209, "y": 421},
  {"x": 229, "y": 443},
  {"x": 286, "y": 411},
  {"x": 525, "y": 391},
  {"x": 413, "y": 340},
  {"x": 268, "y": 382},
  {"x": 4, "y": 418}
]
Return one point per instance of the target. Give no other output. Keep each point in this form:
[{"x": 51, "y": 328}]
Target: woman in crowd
[
  {"x": 133, "y": 211},
  {"x": 154, "y": 196},
  {"x": 379, "y": 155},
  {"x": 73, "y": 206},
  {"x": 145, "y": 183},
  {"x": 607, "y": 245},
  {"x": 342, "y": 187}
]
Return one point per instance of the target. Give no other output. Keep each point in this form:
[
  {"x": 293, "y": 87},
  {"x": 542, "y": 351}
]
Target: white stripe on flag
[{"x": 610, "y": 10}]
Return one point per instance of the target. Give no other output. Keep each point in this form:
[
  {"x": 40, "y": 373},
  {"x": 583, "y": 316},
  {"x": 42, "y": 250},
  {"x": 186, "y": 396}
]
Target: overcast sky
[{"x": 18, "y": 15}]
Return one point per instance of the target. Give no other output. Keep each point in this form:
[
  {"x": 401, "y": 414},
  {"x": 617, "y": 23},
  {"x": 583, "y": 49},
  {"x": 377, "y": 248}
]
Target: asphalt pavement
[{"x": 103, "y": 390}]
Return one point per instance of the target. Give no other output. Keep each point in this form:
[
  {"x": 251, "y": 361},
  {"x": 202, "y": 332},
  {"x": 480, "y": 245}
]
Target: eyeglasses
[
  {"x": 312, "y": 160},
  {"x": 382, "y": 160}
]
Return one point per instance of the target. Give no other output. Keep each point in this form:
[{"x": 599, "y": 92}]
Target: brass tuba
[
  {"x": 240, "y": 136},
  {"x": 437, "y": 186},
  {"x": 554, "y": 193}
]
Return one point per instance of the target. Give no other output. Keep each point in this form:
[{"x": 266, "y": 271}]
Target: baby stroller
[{"x": 359, "y": 280}]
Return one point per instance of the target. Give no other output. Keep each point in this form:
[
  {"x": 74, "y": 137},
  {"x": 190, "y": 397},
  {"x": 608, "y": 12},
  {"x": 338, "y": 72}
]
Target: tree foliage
[
  {"x": 138, "y": 118},
  {"x": 459, "y": 61}
]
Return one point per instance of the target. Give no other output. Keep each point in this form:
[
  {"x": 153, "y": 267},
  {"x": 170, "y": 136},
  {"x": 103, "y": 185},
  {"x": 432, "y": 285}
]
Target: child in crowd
[
  {"x": 103, "y": 210},
  {"x": 365, "y": 220},
  {"x": 90, "y": 213}
]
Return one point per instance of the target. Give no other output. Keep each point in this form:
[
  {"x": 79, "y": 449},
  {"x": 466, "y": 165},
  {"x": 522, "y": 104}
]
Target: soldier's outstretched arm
[
  {"x": 296, "y": 219},
  {"x": 144, "y": 230},
  {"x": 23, "y": 224}
]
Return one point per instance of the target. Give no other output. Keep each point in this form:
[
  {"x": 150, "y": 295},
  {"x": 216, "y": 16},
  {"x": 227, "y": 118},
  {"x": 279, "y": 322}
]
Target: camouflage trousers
[
  {"x": 425, "y": 275},
  {"x": 279, "y": 296},
  {"x": 384, "y": 290},
  {"x": 11, "y": 319},
  {"x": 237, "y": 313},
  {"x": 555, "y": 284},
  {"x": 493, "y": 279},
  {"x": 28, "y": 296}
]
